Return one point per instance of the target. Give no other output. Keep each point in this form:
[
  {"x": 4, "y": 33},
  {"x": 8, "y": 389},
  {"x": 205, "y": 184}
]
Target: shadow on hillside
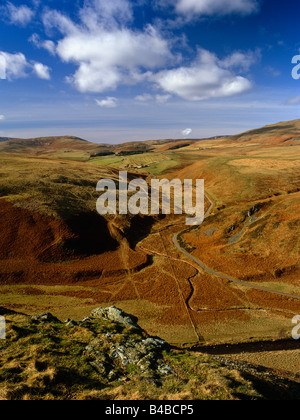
[
  {"x": 91, "y": 235},
  {"x": 140, "y": 228}
]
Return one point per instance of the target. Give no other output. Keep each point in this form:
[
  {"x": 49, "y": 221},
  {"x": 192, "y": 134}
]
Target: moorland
[{"x": 231, "y": 283}]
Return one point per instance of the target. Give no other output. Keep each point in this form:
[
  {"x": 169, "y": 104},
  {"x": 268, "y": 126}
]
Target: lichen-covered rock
[
  {"x": 127, "y": 347},
  {"x": 105, "y": 360},
  {"x": 117, "y": 315},
  {"x": 136, "y": 351},
  {"x": 46, "y": 317},
  {"x": 71, "y": 323}
]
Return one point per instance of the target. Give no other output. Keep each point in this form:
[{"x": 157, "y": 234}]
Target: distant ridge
[
  {"x": 71, "y": 146},
  {"x": 6, "y": 139},
  {"x": 286, "y": 132}
]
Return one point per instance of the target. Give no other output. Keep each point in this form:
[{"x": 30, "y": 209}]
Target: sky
[{"x": 111, "y": 71}]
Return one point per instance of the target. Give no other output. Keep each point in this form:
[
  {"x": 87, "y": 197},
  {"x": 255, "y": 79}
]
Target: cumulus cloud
[
  {"x": 187, "y": 132},
  {"x": 54, "y": 19},
  {"x": 42, "y": 71},
  {"x": 47, "y": 44},
  {"x": 109, "y": 102},
  {"x": 106, "y": 52},
  {"x": 17, "y": 66},
  {"x": 107, "y": 13},
  {"x": 216, "y": 7},
  {"x": 241, "y": 61},
  {"x": 206, "y": 78},
  {"x": 17, "y": 15},
  {"x": 106, "y": 59}
]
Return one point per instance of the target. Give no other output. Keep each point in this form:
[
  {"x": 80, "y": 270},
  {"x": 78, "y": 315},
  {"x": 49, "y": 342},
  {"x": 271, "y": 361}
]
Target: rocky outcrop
[
  {"x": 116, "y": 315},
  {"x": 121, "y": 350},
  {"x": 111, "y": 351},
  {"x": 46, "y": 317},
  {"x": 144, "y": 355},
  {"x": 96, "y": 358}
]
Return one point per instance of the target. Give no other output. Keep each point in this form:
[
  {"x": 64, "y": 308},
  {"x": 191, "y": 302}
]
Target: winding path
[{"x": 222, "y": 275}]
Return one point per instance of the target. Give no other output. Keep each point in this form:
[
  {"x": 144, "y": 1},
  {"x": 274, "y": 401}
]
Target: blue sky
[{"x": 120, "y": 70}]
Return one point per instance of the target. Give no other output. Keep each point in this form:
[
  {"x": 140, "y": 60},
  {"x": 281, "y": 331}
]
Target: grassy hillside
[
  {"x": 276, "y": 133},
  {"x": 98, "y": 358},
  {"x": 54, "y": 147},
  {"x": 74, "y": 148},
  {"x": 52, "y": 187},
  {"x": 58, "y": 254}
]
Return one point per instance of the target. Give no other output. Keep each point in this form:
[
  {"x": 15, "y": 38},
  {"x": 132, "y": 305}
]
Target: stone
[
  {"x": 117, "y": 315},
  {"x": 46, "y": 317},
  {"x": 71, "y": 323},
  {"x": 145, "y": 354}
]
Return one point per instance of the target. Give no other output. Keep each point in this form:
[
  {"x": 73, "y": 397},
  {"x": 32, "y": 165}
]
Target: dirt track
[
  {"x": 222, "y": 275},
  {"x": 225, "y": 276}
]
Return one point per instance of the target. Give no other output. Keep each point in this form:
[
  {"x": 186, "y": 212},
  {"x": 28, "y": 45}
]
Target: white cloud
[
  {"x": 53, "y": 18},
  {"x": 205, "y": 78},
  {"x": 17, "y": 15},
  {"x": 42, "y": 71},
  {"x": 146, "y": 97},
  {"x": 106, "y": 13},
  {"x": 187, "y": 132},
  {"x": 47, "y": 44},
  {"x": 216, "y": 7},
  {"x": 2, "y": 117},
  {"x": 109, "y": 102},
  {"x": 106, "y": 52},
  {"x": 106, "y": 59},
  {"x": 17, "y": 66},
  {"x": 162, "y": 99},
  {"x": 241, "y": 61}
]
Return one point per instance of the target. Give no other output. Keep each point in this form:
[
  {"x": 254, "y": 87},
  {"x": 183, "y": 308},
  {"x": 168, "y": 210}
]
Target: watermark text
[
  {"x": 296, "y": 68},
  {"x": 296, "y": 329},
  {"x": 161, "y": 197},
  {"x": 2, "y": 67},
  {"x": 2, "y": 328}
]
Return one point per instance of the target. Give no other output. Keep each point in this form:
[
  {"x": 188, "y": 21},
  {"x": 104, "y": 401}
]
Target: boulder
[
  {"x": 71, "y": 323},
  {"x": 46, "y": 317},
  {"x": 116, "y": 315},
  {"x": 145, "y": 354}
]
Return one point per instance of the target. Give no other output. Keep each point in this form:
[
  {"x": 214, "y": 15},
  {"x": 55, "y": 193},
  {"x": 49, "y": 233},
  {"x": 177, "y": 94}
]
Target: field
[{"x": 58, "y": 255}]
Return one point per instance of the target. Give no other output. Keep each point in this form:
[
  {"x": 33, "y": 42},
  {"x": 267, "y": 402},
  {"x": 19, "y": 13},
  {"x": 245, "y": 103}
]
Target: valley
[{"x": 234, "y": 280}]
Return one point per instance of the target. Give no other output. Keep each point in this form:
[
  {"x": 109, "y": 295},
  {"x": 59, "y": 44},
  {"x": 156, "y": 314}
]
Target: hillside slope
[
  {"x": 58, "y": 254},
  {"x": 287, "y": 132},
  {"x": 108, "y": 356},
  {"x": 74, "y": 148}
]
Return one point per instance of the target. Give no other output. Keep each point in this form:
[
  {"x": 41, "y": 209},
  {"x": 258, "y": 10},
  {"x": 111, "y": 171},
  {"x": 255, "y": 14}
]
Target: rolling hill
[
  {"x": 281, "y": 133},
  {"x": 58, "y": 254},
  {"x": 72, "y": 148}
]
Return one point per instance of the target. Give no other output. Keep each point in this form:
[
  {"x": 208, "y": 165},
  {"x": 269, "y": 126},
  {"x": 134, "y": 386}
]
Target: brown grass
[{"x": 39, "y": 246}]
